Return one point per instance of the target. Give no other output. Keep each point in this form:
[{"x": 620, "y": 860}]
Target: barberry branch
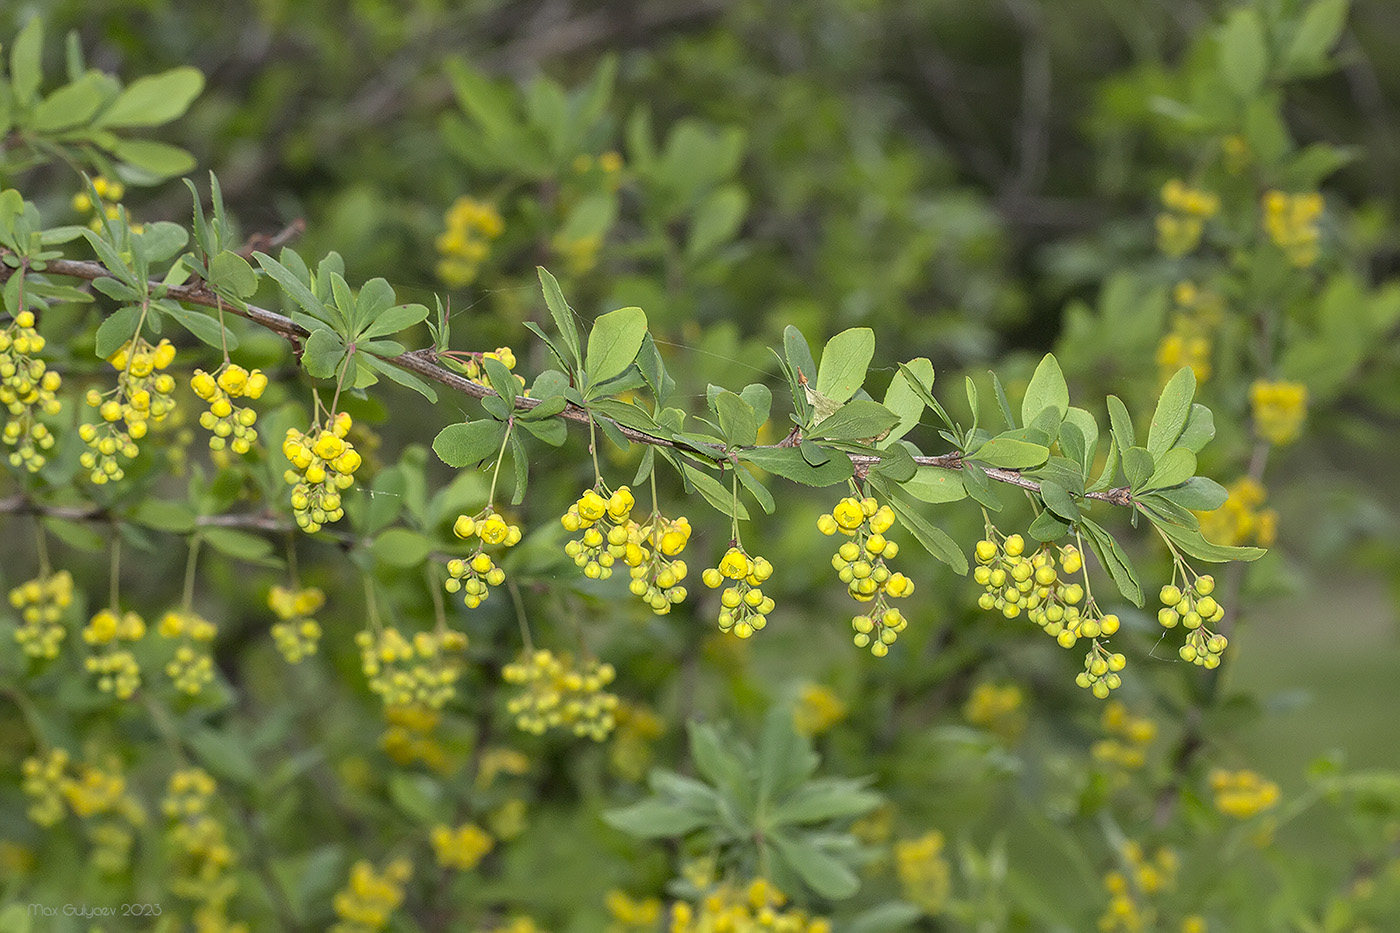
[{"x": 424, "y": 363}]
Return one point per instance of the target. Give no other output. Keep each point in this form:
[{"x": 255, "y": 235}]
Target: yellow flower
[
  {"x": 818, "y": 709},
  {"x": 1241, "y": 518},
  {"x": 1279, "y": 409},
  {"x": 925, "y": 876},
  {"x": 462, "y": 848},
  {"x": 1243, "y": 794}
]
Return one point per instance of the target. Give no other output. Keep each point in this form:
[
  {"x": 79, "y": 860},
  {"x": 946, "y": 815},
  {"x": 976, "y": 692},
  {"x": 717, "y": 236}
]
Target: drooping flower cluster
[
  {"x": 366, "y": 903},
  {"x": 1180, "y": 225},
  {"x": 604, "y": 523},
  {"x": 108, "y": 204},
  {"x": 1127, "y": 737},
  {"x": 653, "y": 553},
  {"x": 1243, "y": 794},
  {"x": 96, "y": 795},
  {"x": 422, "y": 670},
  {"x": 230, "y": 424},
  {"x": 1193, "y": 608},
  {"x": 27, "y": 389},
  {"x": 471, "y": 225},
  {"x": 743, "y": 606},
  {"x": 202, "y": 860},
  {"x": 476, "y": 574},
  {"x": 142, "y": 395},
  {"x": 997, "y": 708},
  {"x": 557, "y": 692},
  {"x": 1196, "y": 316},
  {"x": 925, "y": 877},
  {"x": 324, "y": 465},
  {"x": 116, "y": 668},
  {"x": 860, "y": 563},
  {"x": 817, "y": 710},
  {"x": 1131, "y": 891},
  {"x": 42, "y": 603},
  {"x": 462, "y": 848},
  {"x": 757, "y": 906},
  {"x": 632, "y": 914},
  {"x": 296, "y": 634},
  {"x": 192, "y": 667},
  {"x": 1279, "y": 409},
  {"x": 1291, "y": 222},
  {"x": 1242, "y": 519}
]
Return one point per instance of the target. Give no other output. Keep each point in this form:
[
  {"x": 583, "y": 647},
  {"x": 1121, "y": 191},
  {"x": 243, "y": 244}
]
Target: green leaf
[
  {"x": 223, "y": 753},
  {"x": 1195, "y": 545},
  {"x": 655, "y": 819},
  {"x": 292, "y": 284},
  {"x": 203, "y": 325},
  {"x": 896, "y": 463},
  {"x": 905, "y": 400},
  {"x": 394, "y": 319},
  {"x": 153, "y": 161},
  {"x": 164, "y": 515},
  {"x": 1242, "y": 52},
  {"x": 322, "y": 353},
  {"x": 1010, "y": 453},
  {"x": 154, "y": 100},
  {"x": 240, "y": 545},
  {"x": 466, "y": 444},
  {"x": 1047, "y": 527},
  {"x": 1200, "y": 428},
  {"x": 1079, "y": 438},
  {"x": 1198, "y": 494},
  {"x": 715, "y": 493},
  {"x": 845, "y": 361},
  {"x": 550, "y": 431},
  {"x": 1138, "y": 466},
  {"x": 716, "y": 221},
  {"x": 934, "y": 540},
  {"x": 859, "y": 420},
  {"x": 502, "y": 380},
  {"x": 716, "y": 763},
  {"x": 402, "y": 547},
  {"x": 563, "y": 315},
  {"x": 798, "y": 353},
  {"x": 1121, "y": 423},
  {"x": 1114, "y": 560},
  {"x": 1173, "y": 468},
  {"x": 936, "y": 484},
  {"x": 230, "y": 274},
  {"x": 71, "y": 105},
  {"x": 755, "y": 488},
  {"x": 789, "y": 463},
  {"x": 785, "y": 759},
  {"x": 397, "y": 374},
  {"x": 824, "y": 799},
  {"x": 737, "y": 419},
  {"x": 1318, "y": 32},
  {"x": 1173, "y": 408},
  {"x": 116, "y": 330},
  {"x": 614, "y": 342},
  {"x": 1047, "y": 389},
  {"x": 1058, "y": 500},
  {"x": 26, "y": 56},
  {"x": 823, "y": 873}
]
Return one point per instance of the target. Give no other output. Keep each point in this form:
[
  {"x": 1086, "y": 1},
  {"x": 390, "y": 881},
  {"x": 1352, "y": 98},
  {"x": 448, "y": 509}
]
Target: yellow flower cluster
[
  {"x": 1131, "y": 890},
  {"x": 225, "y": 419},
  {"x": 475, "y": 575},
  {"x": 41, "y": 603},
  {"x": 998, "y": 708},
  {"x": 472, "y": 362},
  {"x": 191, "y": 667},
  {"x": 410, "y": 737},
  {"x": 91, "y": 793},
  {"x": 497, "y": 761},
  {"x": 109, "y": 194},
  {"x": 604, "y": 521},
  {"x": 366, "y": 903},
  {"x": 632, "y": 915},
  {"x": 1291, "y": 222},
  {"x": 744, "y": 608},
  {"x": 558, "y": 694},
  {"x": 42, "y": 783},
  {"x": 1198, "y": 314},
  {"x": 1279, "y": 409},
  {"x": 142, "y": 395},
  {"x": 1242, "y": 794},
  {"x": 818, "y": 708},
  {"x": 202, "y": 861},
  {"x": 1180, "y": 226},
  {"x": 630, "y": 753},
  {"x": 296, "y": 634},
  {"x": 653, "y": 553},
  {"x": 758, "y": 906},
  {"x": 1192, "y": 608},
  {"x": 27, "y": 389},
  {"x": 116, "y": 668},
  {"x": 1128, "y": 737},
  {"x": 324, "y": 466},
  {"x": 422, "y": 670},
  {"x": 925, "y": 876},
  {"x": 471, "y": 225},
  {"x": 462, "y": 848},
  {"x": 861, "y": 564},
  {"x": 1241, "y": 519}
]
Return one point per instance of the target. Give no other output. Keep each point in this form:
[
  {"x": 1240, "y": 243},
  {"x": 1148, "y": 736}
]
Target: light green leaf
[
  {"x": 716, "y": 221},
  {"x": 1195, "y": 545},
  {"x": 1047, "y": 389},
  {"x": 151, "y": 160},
  {"x": 1242, "y": 52},
  {"x": 614, "y": 342},
  {"x": 1138, "y": 466},
  {"x": 164, "y": 515},
  {"x": 1079, "y": 437},
  {"x": 154, "y": 100},
  {"x": 789, "y": 463},
  {"x": 845, "y": 361},
  {"x": 26, "y": 61},
  {"x": 322, "y": 353},
  {"x": 71, "y": 105},
  {"x": 905, "y": 400},
  {"x": 859, "y": 420},
  {"x": 823, "y": 873},
  {"x": 1172, "y": 468},
  {"x": 240, "y": 545},
  {"x": 715, "y": 493},
  {"x": 467, "y": 444},
  {"x": 655, "y": 819},
  {"x": 935, "y": 484},
  {"x": 1010, "y": 453},
  {"x": 1318, "y": 32},
  {"x": 230, "y": 274},
  {"x": 561, "y": 312},
  {"x": 1200, "y": 428},
  {"x": 737, "y": 419},
  {"x": 402, "y": 547},
  {"x": 1121, "y": 423},
  {"x": 1173, "y": 408}
]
